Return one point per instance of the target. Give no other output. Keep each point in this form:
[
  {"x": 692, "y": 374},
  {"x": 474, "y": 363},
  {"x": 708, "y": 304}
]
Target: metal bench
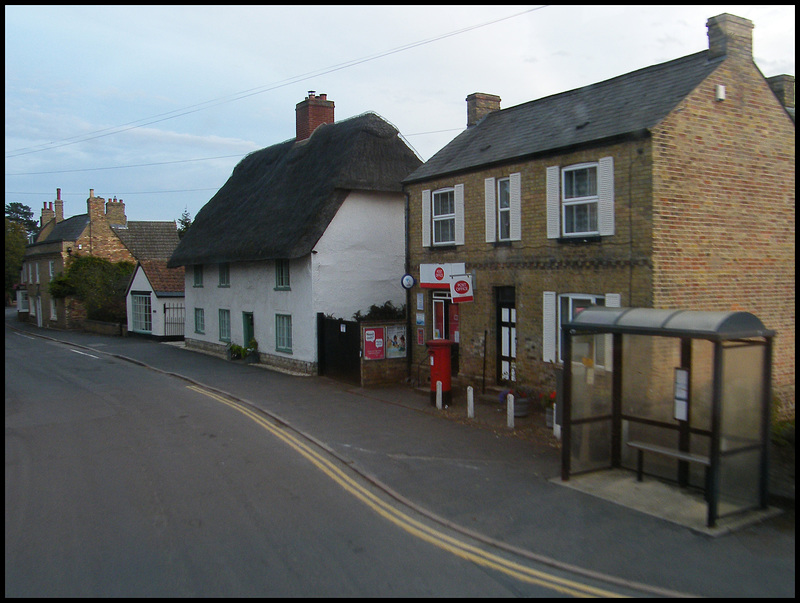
[{"x": 642, "y": 447}]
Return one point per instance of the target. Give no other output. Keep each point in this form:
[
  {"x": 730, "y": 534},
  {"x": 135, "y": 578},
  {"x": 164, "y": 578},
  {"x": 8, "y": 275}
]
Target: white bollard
[
  {"x": 510, "y": 410},
  {"x": 470, "y": 403},
  {"x": 439, "y": 395}
]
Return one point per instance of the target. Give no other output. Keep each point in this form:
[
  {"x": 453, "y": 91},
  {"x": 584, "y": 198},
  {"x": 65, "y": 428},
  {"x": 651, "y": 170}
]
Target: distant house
[
  {"x": 313, "y": 225},
  {"x": 155, "y": 300},
  {"x": 668, "y": 187},
  {"x": 103, "y": 231}
]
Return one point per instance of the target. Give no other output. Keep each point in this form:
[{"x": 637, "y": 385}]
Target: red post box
[{"x": 439, "y": 353}]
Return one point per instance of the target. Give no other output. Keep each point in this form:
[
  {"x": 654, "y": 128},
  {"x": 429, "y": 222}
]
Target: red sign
[
  {"x": 439, "y": 273},
  {"x": 374, "y": 344},
  {"x": 461, "y": 288}
]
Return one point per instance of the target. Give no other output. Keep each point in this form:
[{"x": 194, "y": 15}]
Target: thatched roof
[{"x": 279, "y": 200}]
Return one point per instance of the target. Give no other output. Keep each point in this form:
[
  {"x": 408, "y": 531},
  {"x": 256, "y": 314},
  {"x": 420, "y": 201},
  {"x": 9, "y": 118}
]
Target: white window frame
[
  {"x": 53, "y": 309},
  {"x": 559, "y": 204},
  {"x": 573, "y": 203},
  {"x": 37, "y": 271},
  {"x": 199, "y": 321},
  {"x": 503, "y": 212},
  {"x": 23, "y": 305},
  {"x": 439, "y": 219},
  {"x": 430, "y": 219},
  {"x": 553, "y": 317},
  {"x": 283, "y": 333},
  {"x": 224, "y": 275},
  {"x": 52, "y": 268},
  {"x": 141, "y": 312}
]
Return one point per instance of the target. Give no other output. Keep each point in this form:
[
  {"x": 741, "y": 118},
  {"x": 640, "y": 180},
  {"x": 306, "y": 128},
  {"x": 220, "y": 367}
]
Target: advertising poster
[
  {"x": 374, "y": 343},
  {"x": 396, "y": 341}
]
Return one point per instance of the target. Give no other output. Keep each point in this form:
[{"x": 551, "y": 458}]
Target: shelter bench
[{"x": 642, "y": 447}]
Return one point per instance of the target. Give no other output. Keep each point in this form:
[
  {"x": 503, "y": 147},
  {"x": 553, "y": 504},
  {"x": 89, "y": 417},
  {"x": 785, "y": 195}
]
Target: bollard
[
  {"x": 510, "y": 411},
  {"x": 439, "y": 395},
  {"x": 470, "y": 403}
]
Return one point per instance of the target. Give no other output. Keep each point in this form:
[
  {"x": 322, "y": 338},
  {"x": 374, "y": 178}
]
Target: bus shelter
[{"x": 678, "y": 395}]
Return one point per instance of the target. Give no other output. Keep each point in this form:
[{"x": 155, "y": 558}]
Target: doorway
[
  {"x": 248, "y": 328},
  {"x": 506, "y": 335}
]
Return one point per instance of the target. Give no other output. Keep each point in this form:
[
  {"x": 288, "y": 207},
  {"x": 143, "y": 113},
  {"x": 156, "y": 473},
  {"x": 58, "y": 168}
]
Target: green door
[{"x": 248, "y": 328}]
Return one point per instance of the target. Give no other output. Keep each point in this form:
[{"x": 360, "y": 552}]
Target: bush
[
  {"x": 388, "y": 311},
  {"x": 99, "y": 284}
]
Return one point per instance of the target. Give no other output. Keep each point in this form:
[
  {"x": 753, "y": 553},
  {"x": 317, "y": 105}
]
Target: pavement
[{"x": 498, "y": 484}]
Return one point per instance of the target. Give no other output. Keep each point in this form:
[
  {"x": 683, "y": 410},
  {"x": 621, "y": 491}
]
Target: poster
[
  {"x": 374, "y": 343},
  {"x": 396, "y": 341}
]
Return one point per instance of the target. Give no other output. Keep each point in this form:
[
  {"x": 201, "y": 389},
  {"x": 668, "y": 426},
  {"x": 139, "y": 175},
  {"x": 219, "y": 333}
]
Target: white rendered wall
[
  {"x": 359, "y": 261},
  {"x": 142, "y": 284}
]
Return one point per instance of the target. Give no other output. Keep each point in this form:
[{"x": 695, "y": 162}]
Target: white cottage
[
  {"x": 314, "y": 225},
  {"x": 155, "y": 300}
]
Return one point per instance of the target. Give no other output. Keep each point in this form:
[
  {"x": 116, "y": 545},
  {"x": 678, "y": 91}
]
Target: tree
[
  {"x": 184, "y": 223},
  {"x": 22, "y": 214},
  {"x": 16, "y": 239},
  {"x": 98, "y": 283}
]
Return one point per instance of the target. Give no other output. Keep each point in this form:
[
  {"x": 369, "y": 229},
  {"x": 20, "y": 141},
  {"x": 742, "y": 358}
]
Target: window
[
  {"x": 561, "y": 309},
  {"x": 53, "y": 309},
  {"x": 282, "y": 274},
  {"x": 199, "y": 321},
  {"x": 198, "y": 275},
  {"x": 580, "y": 199},
  {"x": 22, "y": 300},
  {"x": 503, "y": 203},
  {"x": 283, "y": 333},
  {"x": 141, "y": 310},
  {"x": 225, "y": 275},
  {"x": 37, "y": 272},
  {"x": 52, "y": 268},
  {"x": 443, "y": 216},
  {"x": 224, "y": 325}
]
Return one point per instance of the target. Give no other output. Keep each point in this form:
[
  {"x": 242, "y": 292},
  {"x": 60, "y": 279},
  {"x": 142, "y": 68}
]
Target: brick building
[
  {"x": 103, "y": 231},
  {"x": 668, "y": 187}
]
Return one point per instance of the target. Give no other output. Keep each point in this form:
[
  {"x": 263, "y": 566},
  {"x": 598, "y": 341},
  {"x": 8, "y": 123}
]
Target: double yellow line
[{"x": 412, "y": 526}]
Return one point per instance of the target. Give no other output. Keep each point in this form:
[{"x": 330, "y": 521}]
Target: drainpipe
[{"x": 407, "y": 266}]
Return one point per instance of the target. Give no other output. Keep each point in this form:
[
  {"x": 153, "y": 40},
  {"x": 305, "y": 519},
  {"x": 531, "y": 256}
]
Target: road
[{"x": 121, "y": 481}]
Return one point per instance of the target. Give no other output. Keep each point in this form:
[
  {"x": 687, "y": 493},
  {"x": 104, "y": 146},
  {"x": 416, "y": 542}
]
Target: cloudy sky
[{"x": 155, "y": 105}]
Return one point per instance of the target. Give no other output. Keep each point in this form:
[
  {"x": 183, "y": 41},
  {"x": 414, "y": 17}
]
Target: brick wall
[{"x": 724, "y": 216}]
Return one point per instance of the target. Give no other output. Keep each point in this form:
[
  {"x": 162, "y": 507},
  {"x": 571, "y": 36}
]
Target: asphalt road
[{"x": 121, "y": 481}]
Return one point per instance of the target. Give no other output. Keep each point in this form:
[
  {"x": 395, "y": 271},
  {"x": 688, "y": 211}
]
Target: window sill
[
  {"x": 282, "y": 289},
  {"x": 283, "y": 350}
]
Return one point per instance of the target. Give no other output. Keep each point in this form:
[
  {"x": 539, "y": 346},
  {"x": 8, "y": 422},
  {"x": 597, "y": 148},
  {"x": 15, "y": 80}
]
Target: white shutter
[
  {"x": 553, "y": 203},
  {"x": 605, "y": 196},
  {"x": 459, "y": 198},
  {"x": 613, "y": 300},
  {"x": 426, "y": 218},
  {"x": 490, "y": 209},
  {"x": 549, "y": 326},
  {"x": 516, "y": 206}
]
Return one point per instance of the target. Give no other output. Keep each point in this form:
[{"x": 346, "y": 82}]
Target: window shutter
[
  {"x": 605, "y": 194},
  {"x": 549, "y": 326},
  {"x": 490, "y": 209},
  {"x": 613, "y": 300},
  {"x": 516, "y": 206},
  {"x": 459, "y": 198},
  {"x": 426, "y": 218},
  {"x": 553, "y": 203}
]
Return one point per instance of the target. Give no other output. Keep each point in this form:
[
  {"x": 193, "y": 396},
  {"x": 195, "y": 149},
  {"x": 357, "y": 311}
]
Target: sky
[{"x": 155, "y": 105}]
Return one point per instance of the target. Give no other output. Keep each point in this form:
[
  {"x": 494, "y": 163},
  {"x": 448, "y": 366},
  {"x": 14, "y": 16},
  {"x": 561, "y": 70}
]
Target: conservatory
[{"x": 675, "y": 395}]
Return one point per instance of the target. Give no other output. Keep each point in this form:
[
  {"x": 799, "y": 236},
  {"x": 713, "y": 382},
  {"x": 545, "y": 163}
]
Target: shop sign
[
  {"x": 461, "y": 288},
  {"x": 437, "y": 276}
]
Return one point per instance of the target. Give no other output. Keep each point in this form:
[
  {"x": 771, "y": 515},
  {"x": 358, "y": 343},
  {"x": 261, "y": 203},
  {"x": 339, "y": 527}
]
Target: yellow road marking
[{"x": 431, "y": 535}]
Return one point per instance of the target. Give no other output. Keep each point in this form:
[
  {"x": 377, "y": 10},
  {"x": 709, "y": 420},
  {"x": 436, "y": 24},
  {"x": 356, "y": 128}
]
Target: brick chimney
[
  {"x": 115, "y": 212},
  {"x": 783, "y": 87},
  {"x": 47, "y": 213},
  {"x": 59, "y": 207},
  {"x": 729, "y": 35},
  {"x": 479, "y": 105},
  {"x": 312, "y": 113},
  {"x": 95, "y": 207}
]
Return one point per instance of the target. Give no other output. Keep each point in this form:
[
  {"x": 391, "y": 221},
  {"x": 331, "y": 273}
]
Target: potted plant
[
  {"x": 250, "y": 353},
  {"x": 522, "y": 399}
]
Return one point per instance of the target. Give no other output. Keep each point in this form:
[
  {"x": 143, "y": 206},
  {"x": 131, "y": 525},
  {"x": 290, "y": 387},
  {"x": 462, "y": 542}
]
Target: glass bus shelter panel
[
  {"x": 654, "y": 464},
  {"x": 648, "y": 373},
  {"x": 740, "y": 426},
  {"x": 590, "y": 406},
  {"x": 702, "y": 386}
]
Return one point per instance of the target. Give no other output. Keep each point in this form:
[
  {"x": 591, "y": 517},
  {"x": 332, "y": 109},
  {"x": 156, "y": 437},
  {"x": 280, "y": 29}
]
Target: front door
[
  {"x": 248, "y": 328},
  {"x": 506, "y": 335}
]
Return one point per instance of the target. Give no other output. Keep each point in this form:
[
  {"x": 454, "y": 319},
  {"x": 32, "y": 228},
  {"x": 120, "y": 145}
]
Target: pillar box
[{"x": 439, "y": 353}]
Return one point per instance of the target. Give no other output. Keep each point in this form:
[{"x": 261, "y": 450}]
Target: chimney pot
[{"x": 58, "y": 193}]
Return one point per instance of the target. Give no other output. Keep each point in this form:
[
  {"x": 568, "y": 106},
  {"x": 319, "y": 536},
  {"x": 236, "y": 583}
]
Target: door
[
  {"x": 506, "y": 335},
  {"x": 248, "y": 328}
]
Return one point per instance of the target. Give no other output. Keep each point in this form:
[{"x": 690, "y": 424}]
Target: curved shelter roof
[{"x": 670, "y": 323}]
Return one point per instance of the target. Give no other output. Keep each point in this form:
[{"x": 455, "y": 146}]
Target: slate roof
[
  {"x": 278, "y": 201},
  {"x": 149, "y": 240},
  {"x": 627, "y": 104},
  {"x": 66, "y": 230}
]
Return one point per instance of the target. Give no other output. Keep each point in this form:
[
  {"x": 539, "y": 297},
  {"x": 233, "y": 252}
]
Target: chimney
[
  {"x": 115, "y": 212},
  {"x": 312, "y": 113},
  {"x": 59, "y": 209},
  {"x": 783, "y": 87},
  {"x": 47, "y": 214},
  {"x": 95, "y": 207},
  {"x": 479, "y": 105},
  {"x": 729, "y": 35}
]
